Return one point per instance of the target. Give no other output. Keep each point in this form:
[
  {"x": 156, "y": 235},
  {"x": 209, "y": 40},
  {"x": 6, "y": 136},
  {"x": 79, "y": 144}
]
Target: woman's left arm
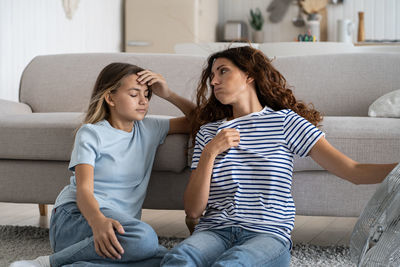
[
  {"x": 160, "y": 88},
  {"x": 344, "y": 167}
]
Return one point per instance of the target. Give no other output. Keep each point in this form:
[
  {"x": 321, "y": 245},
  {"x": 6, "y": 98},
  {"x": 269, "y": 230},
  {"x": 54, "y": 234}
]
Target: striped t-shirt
[{"x": 251, "y": 183}]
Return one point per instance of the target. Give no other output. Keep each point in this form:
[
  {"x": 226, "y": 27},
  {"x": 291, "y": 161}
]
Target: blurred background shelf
[{"x": 155, "y": 26}]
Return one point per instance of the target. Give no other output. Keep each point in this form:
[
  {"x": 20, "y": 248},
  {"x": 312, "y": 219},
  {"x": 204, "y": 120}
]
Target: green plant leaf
[{"x": 256, "y": 19}]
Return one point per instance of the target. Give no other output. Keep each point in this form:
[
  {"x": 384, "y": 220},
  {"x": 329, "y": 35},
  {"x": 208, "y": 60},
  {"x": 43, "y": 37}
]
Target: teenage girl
[{"x": 96, "y": 218}]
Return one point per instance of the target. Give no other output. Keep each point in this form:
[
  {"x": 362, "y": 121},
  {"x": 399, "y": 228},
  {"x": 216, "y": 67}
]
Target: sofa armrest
[{"x": 11, "y": 107}]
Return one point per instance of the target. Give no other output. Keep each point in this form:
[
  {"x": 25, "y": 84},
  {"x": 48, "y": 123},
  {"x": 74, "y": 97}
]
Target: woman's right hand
[
  {"x": 198, "y": 188},
  {"x": 105, "y": 240},
  {"x": 224, "y": 140}
]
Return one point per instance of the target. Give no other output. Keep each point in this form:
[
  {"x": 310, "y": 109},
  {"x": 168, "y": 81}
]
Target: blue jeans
[
  {"x": 231, "y": 246},
  {"x": 71, "y": 239}
]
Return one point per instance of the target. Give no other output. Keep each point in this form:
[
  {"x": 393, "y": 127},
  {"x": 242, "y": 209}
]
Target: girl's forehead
[{"x": 131, "y": 81}]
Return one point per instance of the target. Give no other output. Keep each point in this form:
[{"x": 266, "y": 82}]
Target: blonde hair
[
  {"x": 98, "y": 109},
  {"x": 108, "y": 81}
]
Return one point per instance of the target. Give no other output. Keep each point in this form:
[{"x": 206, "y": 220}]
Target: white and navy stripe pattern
[{"x": 251, "y": 183}]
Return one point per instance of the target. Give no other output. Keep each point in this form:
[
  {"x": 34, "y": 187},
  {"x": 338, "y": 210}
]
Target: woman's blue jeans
[
  {"x": 71, "y": 239},
  {"x": 232, "y": 246}
]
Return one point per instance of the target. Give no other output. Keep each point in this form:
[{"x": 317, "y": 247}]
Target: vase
[{"x": 258, "y": 36}]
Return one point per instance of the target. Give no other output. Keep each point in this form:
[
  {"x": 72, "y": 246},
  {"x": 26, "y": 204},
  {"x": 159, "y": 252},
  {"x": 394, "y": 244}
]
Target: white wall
[
  {"x": 382, "y": 18},
  {"x": 36, "y": 27}
]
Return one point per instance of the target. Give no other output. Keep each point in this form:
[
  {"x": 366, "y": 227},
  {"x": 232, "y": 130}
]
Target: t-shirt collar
[{"x": 109, "y": 126}]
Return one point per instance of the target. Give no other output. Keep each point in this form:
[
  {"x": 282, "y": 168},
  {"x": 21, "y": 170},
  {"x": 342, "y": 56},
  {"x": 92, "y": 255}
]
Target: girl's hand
[
  {"x": 224, "y": 140},
  {"x": 156, "y": 81},
  {"x": 105, "y": 240}
]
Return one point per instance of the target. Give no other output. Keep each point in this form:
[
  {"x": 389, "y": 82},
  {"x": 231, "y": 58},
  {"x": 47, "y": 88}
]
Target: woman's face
[
  {"x": 229, "y": 83},
  {"x": 130, "y": 102}
]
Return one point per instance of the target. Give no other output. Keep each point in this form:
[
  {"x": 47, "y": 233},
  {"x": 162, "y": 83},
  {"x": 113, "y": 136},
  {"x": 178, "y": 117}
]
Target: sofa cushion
[
  {"x": 11, "y": 107},
  {"x": 363, "y": 139},
  {"x": 63, "y": 83},
  {"x": 387, "y": 105},
  {"x": 38, "y": 136},
  {"x": 172, "y": 154},
  {"x": 341, "y": 84},
  {"x": 50, "y": 136}
]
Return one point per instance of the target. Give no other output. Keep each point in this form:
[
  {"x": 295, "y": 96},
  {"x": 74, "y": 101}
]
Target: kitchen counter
[{"x": 378, "y": 42}]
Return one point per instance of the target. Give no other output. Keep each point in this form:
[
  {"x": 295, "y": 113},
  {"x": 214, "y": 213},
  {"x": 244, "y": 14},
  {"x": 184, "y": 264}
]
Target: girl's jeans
[
  {"x": 71, "y": 239},
  {"x": 231, "y": 246}
]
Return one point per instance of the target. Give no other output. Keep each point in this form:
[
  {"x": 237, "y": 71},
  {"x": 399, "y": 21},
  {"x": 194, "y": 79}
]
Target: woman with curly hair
[{"x": 247, "y": 128}]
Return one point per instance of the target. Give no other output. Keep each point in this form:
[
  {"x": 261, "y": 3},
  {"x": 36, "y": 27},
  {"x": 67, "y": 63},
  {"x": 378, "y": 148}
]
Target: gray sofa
[{"x": 36, "y": 134}]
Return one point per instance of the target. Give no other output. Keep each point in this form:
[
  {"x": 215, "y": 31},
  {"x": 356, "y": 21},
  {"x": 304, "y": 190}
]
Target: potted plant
[{"x": 256, "y": 21}]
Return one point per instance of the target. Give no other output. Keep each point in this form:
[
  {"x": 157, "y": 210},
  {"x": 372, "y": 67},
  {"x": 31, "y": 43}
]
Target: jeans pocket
[
  {"x": 58, "y": 221},
  {"x": 68, "y": 226}
]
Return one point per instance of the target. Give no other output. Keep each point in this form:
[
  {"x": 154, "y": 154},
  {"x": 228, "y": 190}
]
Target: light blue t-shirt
[{"x": 122, "y": 162}]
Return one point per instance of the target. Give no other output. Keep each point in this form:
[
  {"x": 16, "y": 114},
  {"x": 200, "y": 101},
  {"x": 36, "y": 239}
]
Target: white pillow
[{"x": 387, "y": 105}]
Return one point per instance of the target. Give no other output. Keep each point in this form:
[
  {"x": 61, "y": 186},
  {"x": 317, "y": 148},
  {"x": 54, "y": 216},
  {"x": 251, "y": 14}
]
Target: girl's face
[
  {"x": 229, "y": 83},
  {"x": 130, "y": 102}
]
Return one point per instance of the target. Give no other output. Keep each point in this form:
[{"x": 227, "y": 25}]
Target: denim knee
[
  {"x": 139, "y": 241},
  {"x": 184, "y": 255}
]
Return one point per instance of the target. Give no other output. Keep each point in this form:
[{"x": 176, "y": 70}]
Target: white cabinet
[{"x": 155, "y": 26}]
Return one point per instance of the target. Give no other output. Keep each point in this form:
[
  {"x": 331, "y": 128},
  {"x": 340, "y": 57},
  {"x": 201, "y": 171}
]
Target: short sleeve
[
  {"x": 300, "y": 135},
  {"x": 86, "y": 147},
  {"x": 198, "y": 149},
  {"x": 158, "y": 127}
]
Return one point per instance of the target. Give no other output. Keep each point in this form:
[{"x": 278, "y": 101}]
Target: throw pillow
[{"x": 387, "y": 105}]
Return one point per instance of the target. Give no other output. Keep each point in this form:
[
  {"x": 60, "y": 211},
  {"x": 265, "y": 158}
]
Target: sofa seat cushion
[
  {"x": 50, "y": 136},
  {"x": 38, "y": 136},
  {"x": 363, "y": 139}
]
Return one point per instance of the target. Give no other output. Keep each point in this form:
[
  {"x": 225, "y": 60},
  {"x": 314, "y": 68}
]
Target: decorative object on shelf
[
  {"x": 318, "y": 8},
  {"x": 313, "y": 25},
  {"x": 299, "y": 20},
  {"x": 361, "y": 29},
  {"x": 345, "y": 28},
  {"x": 306, "y": 38},
  {"x": 256, "y": 22},
  {"x": 313, "y": 6},
  {"x": 70, "y": 6},
  {"x": 235, "y": 30},
  {"x": 278, "y": 9}
]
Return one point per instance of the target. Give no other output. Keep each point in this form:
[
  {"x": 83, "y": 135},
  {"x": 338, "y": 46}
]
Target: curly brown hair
[{"x": 271, "y": 88}]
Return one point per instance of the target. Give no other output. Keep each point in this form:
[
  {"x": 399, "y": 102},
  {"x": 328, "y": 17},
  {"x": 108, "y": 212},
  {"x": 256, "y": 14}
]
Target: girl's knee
[
  {"x": 139, "y": 241},
  {"x": 148, "y": 241}
]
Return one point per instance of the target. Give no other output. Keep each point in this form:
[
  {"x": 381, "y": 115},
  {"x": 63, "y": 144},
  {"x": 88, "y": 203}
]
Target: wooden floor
[{"x": 323, "y": 231}]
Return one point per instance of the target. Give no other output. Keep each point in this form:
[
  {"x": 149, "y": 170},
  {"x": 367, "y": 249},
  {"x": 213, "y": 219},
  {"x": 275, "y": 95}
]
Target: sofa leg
[
  {"x": 43, "y": 209},
  {"x": 191, "y": 223}
]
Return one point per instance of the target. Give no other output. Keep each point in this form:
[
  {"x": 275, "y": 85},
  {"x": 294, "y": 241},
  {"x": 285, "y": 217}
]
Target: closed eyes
[{"x": 146, "y": 96}]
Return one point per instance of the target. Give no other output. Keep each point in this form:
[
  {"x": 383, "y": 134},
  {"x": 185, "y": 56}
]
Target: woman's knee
[{"x": 184, "y": 255}]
